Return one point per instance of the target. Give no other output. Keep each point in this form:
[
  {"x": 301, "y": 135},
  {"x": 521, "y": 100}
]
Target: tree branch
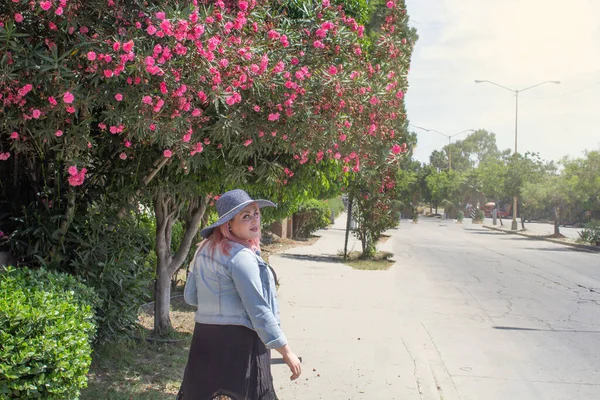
[{"x": 191, "y": 229}]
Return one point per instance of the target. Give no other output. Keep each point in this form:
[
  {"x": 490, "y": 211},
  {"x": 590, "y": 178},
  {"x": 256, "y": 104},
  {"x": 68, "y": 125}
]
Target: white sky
[{"x": 515, "y": 43}]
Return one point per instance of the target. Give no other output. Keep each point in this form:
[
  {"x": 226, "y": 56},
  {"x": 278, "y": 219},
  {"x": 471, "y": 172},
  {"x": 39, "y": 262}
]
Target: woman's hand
[{"x": 292, "y": 361}]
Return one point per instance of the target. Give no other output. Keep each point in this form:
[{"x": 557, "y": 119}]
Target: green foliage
[
  {"x": 479, "y": 215},
  {"x": 591, "y": 233},
  {"x": 113, "y": 262},
  {"x": 46, "y": 328},
  {"x": 460, "y": 216},
  {"x": 336, "y": 205},
  {"x": 107, "y": 253},
  {"x": 311, "y": 216}
]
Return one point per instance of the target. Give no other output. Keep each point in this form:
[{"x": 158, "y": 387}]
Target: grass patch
[
  {"x": 132, "y": 369},
  {"x": 380, "y": 261}
]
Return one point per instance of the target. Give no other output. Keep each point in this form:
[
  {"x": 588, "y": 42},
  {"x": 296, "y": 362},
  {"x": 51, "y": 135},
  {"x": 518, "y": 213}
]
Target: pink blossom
[
  {"x": 52, "y": 101},
  {"x": 102, "y": 125},
  {"x": 198, "y": 148},
  {"x": 273, "y": 117},
  {"x": 160, "y": 15},
  {"x": 4, "y": 156},
  {"x": 46, "y": 5},
  {"x": 68, "y": 97},
  {"x": 108, "y": 73},
  {"x": 58, "y": 133},
  {"x": 163, "y": 87},
  {"x": 326, "y": 3},
  {"x": 167, "y": 153},
  {"x": 186, "y": 138},
  {"x": 374, "y": 100},
  {"x": 123, "y": 156},
  {"x": 152, "y": 127},
  {"x": 332, "y": 70},
  {"x": 248, "y": 142},
  {"x": 70, "y": 110},
  {"x": 318, "y": 44},
  {"x": 72, "y": 170},
  {"x": 250, "y": 168},
  {"x": 396, "y": 149},
  {"x": 390, "y": 4},
  {"x": 91, "y": 55},
  {"x": 128, "y": 46},
  {"x": 224, "y": 63},
  {"x": 18, "y": 17},
  {"x": 147, "y": 100},
  {"x": 400, "y": 94},
  {"x": 59, "y": 11},
  {"x": 196, "y": 112},
  {"x": 118, "y": 97},
  {"x": 151, "y": 31},
  {"x": 36, "y": 113},
  {"x": 14, "y": 135},
  {"x": 256, "y": 108},
  {"x": 116, "y": 46},
  {"x": 127, "y": 144}
]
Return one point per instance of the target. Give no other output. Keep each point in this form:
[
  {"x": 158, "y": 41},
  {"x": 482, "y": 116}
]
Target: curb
[{"x": 584, "y": 247}]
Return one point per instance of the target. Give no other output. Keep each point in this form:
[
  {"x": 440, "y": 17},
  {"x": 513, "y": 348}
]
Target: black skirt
[{"x": 227, "y": 360}]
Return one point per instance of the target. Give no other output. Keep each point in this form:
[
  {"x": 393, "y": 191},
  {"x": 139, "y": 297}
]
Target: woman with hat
[{"x": 237, "y": 317}]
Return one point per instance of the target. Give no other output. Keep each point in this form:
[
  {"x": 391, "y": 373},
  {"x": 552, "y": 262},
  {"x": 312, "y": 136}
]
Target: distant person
[{"x": 237, "y": 317}]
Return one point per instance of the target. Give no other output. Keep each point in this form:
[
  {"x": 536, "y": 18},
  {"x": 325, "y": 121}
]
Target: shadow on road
[
  {"x": 564, "y": 249},
  {"x": 311, "y": 257},
  {"x": 516, "y": 328}
]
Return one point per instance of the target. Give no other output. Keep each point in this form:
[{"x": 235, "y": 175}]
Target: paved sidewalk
[{"x": 348, "y": 327}]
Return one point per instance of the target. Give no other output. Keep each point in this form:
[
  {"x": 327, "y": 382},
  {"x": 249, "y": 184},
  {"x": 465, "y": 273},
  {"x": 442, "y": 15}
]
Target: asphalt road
[
  {"x": 509, "y": 317},
  {"x": 465, "y": 313}
]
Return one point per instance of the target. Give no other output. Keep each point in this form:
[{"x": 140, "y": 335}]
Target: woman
[{"x": 237, "y": 317}]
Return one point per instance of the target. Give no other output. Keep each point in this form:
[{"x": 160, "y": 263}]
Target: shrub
[
  {"x": 591, "y": 233},
  {"x": 336, "y": 205},
  {"x": 460, "y": 216},
  {"x": 110, "y": 254},
  {"x": 311, "y": 216},
  {"x": 46, "y": 329},
  {"x": 479, "y": 215}
]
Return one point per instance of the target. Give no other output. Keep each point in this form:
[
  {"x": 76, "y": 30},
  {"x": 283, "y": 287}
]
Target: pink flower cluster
[{"x": 76, "y": 177}]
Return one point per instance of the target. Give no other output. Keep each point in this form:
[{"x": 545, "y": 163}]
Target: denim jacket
[{"x": 235, "y": 289}]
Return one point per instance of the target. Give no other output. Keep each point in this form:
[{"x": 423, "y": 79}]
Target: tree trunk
[
  {"x": 162, "y": 301},
  {"x": 166, "y": 211},
  {"x": 556, "y": 221}
]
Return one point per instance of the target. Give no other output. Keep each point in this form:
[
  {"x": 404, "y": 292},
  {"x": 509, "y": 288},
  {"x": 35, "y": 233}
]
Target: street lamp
[
  {"x": 449, "y": 141},
  {"x": 516, "y": 92}
]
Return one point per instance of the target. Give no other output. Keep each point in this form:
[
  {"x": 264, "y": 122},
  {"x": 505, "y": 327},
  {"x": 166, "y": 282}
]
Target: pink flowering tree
[{"x": 168, "y": 102}]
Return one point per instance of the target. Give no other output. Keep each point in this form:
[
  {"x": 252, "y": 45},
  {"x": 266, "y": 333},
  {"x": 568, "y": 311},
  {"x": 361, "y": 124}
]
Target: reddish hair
[{"x": 221, "y": 238}]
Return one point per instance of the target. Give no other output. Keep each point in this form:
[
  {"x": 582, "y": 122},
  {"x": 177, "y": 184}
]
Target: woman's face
[{"x": 246, "y": 224}]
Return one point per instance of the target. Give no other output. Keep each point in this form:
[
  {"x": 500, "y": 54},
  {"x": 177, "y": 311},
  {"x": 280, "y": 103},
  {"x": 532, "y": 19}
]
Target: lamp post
[
  {"x": 516, "y": 92},
  {"x": 449, "y": 141}
]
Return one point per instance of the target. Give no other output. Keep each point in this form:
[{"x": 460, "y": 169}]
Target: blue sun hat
[{"x": 229, "y": 204}]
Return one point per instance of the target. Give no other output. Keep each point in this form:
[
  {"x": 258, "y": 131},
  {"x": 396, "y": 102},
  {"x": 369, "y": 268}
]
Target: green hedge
[
  {"x": 46, "y": 329},
  {"x": 311, "y": 216}
]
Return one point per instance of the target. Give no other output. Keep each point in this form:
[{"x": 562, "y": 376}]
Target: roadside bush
[
  {"x": 591, "y": 233},
  {"x": 479, "y": 216},
  {"x": 336, "y": 205},
  {"x": 311, "y": 216},
  {"x": 460, "y": 216},
  {"x": 46, "y": 330}
]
